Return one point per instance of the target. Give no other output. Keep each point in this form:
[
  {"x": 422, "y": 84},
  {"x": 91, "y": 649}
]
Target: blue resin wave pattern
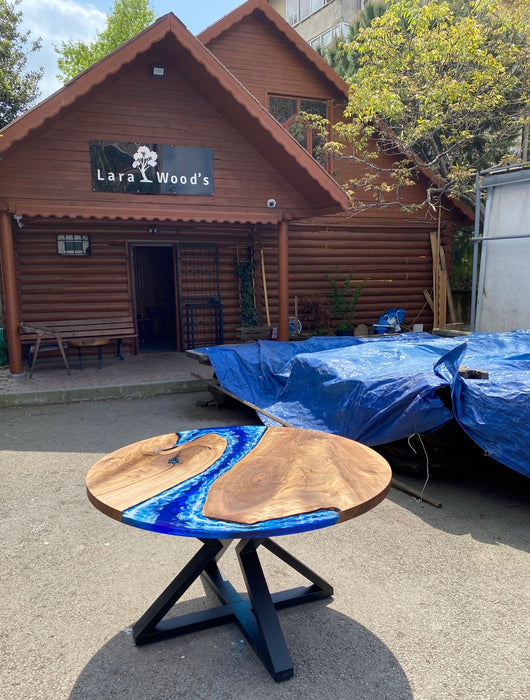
[{"x": 178, "y": 511}]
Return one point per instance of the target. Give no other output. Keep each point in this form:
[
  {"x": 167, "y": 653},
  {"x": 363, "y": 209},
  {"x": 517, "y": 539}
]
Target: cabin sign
[{"x": 141, "y": 168}]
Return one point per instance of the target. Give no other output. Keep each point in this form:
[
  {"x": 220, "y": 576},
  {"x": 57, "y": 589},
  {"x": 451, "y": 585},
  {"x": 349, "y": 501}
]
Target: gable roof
[
  {"x": 302, "y": 47},
  {"x": 307, "y": 53},
  {"x": 219, "y": 87}
]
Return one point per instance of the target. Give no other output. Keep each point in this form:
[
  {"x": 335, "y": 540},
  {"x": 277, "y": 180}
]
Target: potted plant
[{"x": 344, "y": 297}]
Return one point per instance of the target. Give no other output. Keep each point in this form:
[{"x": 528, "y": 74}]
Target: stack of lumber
[{"x": 441, "y": 300}]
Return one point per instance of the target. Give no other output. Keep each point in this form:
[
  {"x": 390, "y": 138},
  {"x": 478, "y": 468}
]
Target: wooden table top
[{"x": 238, "y": 482}]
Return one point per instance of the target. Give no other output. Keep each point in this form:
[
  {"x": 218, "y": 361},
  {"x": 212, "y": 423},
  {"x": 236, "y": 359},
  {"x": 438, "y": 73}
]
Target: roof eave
[{"x": 81, "y": 85}]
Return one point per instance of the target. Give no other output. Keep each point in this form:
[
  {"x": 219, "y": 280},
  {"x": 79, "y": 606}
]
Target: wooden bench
[{"x": 78, "y": 332}]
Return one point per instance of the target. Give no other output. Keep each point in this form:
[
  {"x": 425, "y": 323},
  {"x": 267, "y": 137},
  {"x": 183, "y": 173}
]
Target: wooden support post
[
  {"x": 442, "y": 297},
  {"x": 435, "y": 279},
  {"x": 283, "y": 280},
  {"x": 11, "y": 312},
  {"x": 441, "y": 291},
  {"x": 449, "y": 294}
]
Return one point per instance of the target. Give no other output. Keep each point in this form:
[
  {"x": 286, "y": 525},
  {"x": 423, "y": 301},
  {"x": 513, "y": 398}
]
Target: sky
[{"x": 55, "y": 21}]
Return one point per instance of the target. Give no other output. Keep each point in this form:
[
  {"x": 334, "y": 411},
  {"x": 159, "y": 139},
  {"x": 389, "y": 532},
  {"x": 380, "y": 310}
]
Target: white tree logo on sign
[{"x": 144, "y": 158}]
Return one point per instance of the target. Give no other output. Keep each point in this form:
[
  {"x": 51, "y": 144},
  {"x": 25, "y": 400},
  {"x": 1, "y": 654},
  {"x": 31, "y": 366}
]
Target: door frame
[{"x": 157, "y": 244}]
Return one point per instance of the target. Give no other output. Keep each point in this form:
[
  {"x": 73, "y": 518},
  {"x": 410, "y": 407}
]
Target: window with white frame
[
  {"x": 297, "y": 10},
  {"x": 337, "y": 32}
]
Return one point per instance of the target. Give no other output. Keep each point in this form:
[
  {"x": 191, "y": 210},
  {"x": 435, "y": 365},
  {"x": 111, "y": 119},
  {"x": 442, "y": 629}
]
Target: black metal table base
[{"x": 256, "y": 615}]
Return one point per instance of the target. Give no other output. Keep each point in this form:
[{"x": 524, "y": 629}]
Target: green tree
[
  {"x": 126, "y": 19},
  {"x": 446, "y": 83},
  {"x": 344, "y": 61},
  {"x": 18, "y": 88}
]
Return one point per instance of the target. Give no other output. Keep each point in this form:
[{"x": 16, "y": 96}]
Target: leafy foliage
[
  {"x": 447, "y": 83},
  {"x": 462, "y": 268},
  {"x": 127, "y": 18},
  {"x": 344, "y": 297},
  {"x": 3, "y": 349},
  {"x": 18, "y": 88},
  {"x": 338, "y": 54},
  {"x": 249, "y": 315}
]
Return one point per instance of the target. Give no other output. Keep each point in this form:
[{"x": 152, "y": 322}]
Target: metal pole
[
  {"x": 475, "y": 252},
  {"x": 501, "y": 238},
  {"x": 483, "y": 257}
]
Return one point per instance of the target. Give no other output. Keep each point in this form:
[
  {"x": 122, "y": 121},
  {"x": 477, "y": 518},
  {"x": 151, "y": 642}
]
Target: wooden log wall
[
  {"x": 52, "y": 286},
  {"x": 396, "y": 267}
]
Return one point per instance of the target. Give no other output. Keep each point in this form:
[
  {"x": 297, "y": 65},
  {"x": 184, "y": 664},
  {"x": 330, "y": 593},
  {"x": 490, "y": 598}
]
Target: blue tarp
[{"x": 383, "y": 388}]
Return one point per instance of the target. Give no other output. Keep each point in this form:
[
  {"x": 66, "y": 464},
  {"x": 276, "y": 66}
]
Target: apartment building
[{"x": 319, "y": 21}]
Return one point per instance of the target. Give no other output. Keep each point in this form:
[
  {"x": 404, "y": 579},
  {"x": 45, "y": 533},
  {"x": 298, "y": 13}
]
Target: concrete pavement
[
  {"x": 429, "y": 603},
  {"x": 145, "y": 374}
]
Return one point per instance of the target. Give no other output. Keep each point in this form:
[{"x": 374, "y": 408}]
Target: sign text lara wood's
[{"x": 138, "y": 168}]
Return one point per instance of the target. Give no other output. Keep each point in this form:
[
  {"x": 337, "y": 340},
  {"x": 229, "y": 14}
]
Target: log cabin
[{"x": 147, "y": 189}]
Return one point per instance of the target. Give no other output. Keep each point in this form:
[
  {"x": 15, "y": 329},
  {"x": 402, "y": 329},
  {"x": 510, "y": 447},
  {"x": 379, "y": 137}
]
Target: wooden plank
[
  {"x": 449, "y": 294},
  {"x": 435, "y": 279},
  {"x": 442, "y": 298},
  {"x": 218, "y": 387},
  {"x": 338, "y": 474},
  {"x": 429, "y": 299},
  {"x": 72, "y": 329},
  {"x": 144, "y": 469},
  {"x": 397, "y": 484}
]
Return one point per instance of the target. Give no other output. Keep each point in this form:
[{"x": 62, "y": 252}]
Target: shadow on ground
[{"x": 330, "y": 651}]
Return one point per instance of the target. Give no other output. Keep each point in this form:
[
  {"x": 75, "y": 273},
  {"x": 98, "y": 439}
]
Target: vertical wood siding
[{"x": 267, "y": 63}]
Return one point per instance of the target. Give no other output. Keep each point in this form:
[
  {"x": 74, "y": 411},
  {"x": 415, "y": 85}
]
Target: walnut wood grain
[
  {"x": 142, "y": 470},
  {"x": 293, "y": 471}
]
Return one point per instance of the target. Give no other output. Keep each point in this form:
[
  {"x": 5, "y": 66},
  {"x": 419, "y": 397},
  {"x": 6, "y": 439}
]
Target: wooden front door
[
  {"x": 176, "y": 296},
  {"x": 155, "y": 295}
]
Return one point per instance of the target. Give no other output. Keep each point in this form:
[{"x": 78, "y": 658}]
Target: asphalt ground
[{"x": 429, "y": 603}]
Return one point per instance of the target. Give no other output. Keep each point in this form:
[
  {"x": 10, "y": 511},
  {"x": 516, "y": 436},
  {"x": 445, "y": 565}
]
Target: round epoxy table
[{"x": 237, "y": 483}]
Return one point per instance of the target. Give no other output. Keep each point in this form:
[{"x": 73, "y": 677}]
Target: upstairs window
[
  {"x": 297, "y": 10},
  {"x": 286, "y": 110},
  {"x": 326, "y": 38}
]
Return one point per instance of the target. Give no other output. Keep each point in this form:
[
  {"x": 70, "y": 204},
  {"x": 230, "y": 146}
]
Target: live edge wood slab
[{"x": 239, "y": 482}]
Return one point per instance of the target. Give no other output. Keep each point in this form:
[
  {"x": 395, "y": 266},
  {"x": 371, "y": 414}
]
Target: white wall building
[
  {"x": 319, "y": 21},
  {"x": 503, "y": 289}
]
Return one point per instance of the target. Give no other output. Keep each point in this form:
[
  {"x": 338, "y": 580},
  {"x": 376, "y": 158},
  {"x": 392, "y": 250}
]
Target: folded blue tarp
[
  {"x": 494, "y": 412},
  {"x": 383, "y": 388}
]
